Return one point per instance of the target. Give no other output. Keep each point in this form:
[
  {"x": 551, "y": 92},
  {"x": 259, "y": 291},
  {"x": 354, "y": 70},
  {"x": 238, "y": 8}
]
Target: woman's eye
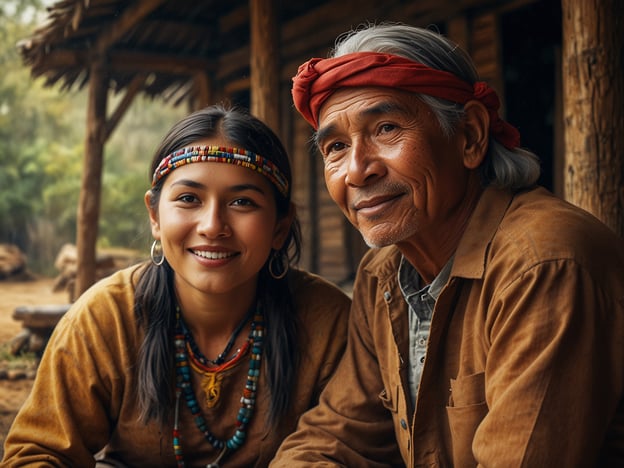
[
  {"x": 244, "y": 202},
  {"x": 187, "y": 198}
]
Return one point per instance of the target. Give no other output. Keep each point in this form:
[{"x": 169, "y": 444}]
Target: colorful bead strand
[{"x": 248, "y": 398}]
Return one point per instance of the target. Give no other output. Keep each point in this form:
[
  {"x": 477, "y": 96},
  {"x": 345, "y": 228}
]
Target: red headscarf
[{"x": 318, "y": 78}]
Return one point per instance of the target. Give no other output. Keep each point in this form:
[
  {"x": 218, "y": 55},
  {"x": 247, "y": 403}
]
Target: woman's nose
[{"x": 212, "y": 222}]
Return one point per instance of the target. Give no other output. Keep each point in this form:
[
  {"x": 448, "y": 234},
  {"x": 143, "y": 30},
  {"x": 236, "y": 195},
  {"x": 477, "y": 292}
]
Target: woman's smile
[{"x": 217, "y": 224}]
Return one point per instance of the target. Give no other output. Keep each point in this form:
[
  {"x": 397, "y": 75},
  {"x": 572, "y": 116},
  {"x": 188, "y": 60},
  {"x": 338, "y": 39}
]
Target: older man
[{"x": 488, "y": 319}]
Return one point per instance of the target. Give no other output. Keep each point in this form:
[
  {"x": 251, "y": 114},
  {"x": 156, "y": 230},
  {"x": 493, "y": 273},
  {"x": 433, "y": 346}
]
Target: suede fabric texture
[
  {"x": 525, "y": 358},
  {"x": 83, "y": 400}
]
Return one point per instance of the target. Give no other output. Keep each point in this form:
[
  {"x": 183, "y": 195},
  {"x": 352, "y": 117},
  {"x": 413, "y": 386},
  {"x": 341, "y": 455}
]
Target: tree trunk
[
  {"x": 264, "y": 62},
  {"x": 90, "y": 190},
  {"x": 593, "y": 80}
]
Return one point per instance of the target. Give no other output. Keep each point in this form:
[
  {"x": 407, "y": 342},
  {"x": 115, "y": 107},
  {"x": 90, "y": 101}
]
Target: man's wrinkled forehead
[{"x": 398, "y": 106}]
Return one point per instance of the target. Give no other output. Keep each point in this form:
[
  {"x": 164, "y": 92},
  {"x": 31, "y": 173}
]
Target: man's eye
[
  {"x": 385, "y": 128},
  {"x": 334, "y": 147}
]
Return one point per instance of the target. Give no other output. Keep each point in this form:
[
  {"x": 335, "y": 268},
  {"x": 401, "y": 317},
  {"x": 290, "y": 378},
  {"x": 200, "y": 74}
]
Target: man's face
[{"x": 388, "y": 165}]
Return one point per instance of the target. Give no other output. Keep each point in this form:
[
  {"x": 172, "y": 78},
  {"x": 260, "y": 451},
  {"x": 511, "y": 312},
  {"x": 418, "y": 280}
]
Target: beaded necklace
[
  {"x": 184, "y": 387},
  {"x": 188, "y": 336},
  {"x": 212, "y": 370}
]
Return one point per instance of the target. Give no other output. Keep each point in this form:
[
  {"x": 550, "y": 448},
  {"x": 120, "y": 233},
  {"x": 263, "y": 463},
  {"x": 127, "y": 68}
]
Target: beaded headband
[{"x": 240, "y": 157}]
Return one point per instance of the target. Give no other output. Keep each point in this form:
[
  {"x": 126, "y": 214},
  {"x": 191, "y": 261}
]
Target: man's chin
[
  {"x": 376, "y": 241},
  {"x": 383, "y": 235}
]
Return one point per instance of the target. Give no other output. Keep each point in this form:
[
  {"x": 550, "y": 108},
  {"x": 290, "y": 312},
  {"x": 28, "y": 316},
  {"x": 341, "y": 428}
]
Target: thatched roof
[{"x": 168, "y": 41}]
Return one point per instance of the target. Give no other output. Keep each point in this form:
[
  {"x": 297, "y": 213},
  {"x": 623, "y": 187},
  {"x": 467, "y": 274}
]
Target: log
[{"x": 12, "y": 261}]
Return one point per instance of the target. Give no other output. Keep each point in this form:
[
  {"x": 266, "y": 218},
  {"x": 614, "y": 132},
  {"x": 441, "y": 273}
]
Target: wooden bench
[{"x": 38, "y": 322}]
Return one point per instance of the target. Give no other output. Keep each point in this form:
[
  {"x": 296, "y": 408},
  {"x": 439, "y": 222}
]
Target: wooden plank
[
  {"x": 264, "y": 62},
  {"x": 40, "y": 316}
]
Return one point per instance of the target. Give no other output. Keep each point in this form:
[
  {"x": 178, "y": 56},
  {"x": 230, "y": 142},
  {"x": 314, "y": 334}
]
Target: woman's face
[{"x": 217, "y": 223}]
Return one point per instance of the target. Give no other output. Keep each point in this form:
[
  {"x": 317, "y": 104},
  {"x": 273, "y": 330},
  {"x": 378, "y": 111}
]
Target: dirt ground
[{"x": 13, "y": 294}]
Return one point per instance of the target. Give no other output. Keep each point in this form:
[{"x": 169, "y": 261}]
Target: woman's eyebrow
[
  {"x": 189, "y": 183},
  {"x": 234, "y": 188}
]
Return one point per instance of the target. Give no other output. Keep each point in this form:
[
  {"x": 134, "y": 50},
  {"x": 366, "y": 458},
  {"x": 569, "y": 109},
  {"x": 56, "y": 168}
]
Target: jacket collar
[{"x": 471, "y": 252}]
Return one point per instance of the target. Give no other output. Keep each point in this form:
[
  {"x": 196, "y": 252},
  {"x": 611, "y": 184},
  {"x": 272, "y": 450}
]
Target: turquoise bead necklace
[{"x": 184, "y": 387}]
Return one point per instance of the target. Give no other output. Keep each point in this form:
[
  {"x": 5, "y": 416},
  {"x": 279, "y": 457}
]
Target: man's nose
[{"x": 363, "y": 164}]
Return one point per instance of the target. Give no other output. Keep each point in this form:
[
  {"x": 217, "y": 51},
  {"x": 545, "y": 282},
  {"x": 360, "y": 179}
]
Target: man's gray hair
[{"x": 504, "y": 168}]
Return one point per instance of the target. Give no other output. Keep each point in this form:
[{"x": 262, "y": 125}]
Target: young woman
[{"x": 207, "y": 355}]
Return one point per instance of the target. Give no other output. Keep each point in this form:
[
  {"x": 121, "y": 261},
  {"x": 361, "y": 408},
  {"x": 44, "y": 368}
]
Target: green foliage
[
  {"x": 23, "y": 360},
  {"x": 128, "y": 155},
  {"x": 26, "y": 122},
  {"x": 42, "y": 133}
]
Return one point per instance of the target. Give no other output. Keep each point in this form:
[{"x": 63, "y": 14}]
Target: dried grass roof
[{"x": 166, "y": 40}]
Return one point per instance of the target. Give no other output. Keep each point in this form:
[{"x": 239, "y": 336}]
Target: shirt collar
[{"x": 409, "y": 279}]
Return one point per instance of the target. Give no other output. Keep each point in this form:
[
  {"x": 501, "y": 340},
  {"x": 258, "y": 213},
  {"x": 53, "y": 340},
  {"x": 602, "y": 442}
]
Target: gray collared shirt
[{"x": 421, "y": 301}]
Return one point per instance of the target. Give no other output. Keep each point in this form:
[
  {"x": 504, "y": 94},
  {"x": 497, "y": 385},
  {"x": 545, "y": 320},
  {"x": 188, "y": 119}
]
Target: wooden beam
[
  {"x": 234, "y": 86},
  {"x": 232, "y": 62},
  {"x": 159, "y": 63},
  {"x": 131, "y": 91},
  {"x": 593, "y": 104},
  {"x": 234, "y": 19},
  {"x": 264, "y": 62},
  {"x": 203, "y": 91},
  {"x": 128, "y": 61},
  {"x": 91, "y": 185},
  {"x": 128, "y": 19},
  {"x": 458, "y": 31}
]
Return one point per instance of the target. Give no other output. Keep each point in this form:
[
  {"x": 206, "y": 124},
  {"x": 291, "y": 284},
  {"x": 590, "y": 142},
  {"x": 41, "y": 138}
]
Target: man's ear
[
  {"x": 477, "y": 131},
  {"x": 282, "y": 228},
  {"x": 153, "y": 215}
]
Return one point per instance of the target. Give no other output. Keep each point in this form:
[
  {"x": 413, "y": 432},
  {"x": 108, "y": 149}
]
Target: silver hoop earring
[
  {"x": 156, "y": 253},
  {"x": 282, "y": 265}
]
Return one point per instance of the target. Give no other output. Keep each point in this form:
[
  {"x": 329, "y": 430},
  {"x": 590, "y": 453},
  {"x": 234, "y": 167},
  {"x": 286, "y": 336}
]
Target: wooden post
[
  {"x": 90, "y": 190},
  {"x": 593, "y": 106},
  {"x": 264, "y": 62},
  {"x": 203, "y": 93}
]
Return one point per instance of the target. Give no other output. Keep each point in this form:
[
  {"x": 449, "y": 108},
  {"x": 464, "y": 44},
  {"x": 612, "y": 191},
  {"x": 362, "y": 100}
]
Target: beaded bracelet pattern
[{"x": 238, "y": 156}]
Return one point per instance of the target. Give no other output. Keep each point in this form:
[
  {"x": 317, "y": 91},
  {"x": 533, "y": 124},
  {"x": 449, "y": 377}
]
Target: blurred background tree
[{"x": 41, "y": 146}]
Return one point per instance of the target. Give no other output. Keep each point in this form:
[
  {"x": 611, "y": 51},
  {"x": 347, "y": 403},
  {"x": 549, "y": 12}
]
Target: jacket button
[
  {"x": 387, "y": 296},
  {"x": 403, "y": 424}
]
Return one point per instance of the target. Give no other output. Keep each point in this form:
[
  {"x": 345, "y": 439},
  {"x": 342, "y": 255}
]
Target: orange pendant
[{"x": 211, "y": 384}]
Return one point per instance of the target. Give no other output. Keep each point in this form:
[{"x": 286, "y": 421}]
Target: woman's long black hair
[{"x": 155, "y": 297}]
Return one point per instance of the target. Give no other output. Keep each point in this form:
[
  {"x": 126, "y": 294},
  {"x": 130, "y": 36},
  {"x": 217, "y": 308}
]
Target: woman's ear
[
  {"x": 282, "y": 228},
  {"x": 476, "y": 129},
  {"x": 153, "y": 214}
]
